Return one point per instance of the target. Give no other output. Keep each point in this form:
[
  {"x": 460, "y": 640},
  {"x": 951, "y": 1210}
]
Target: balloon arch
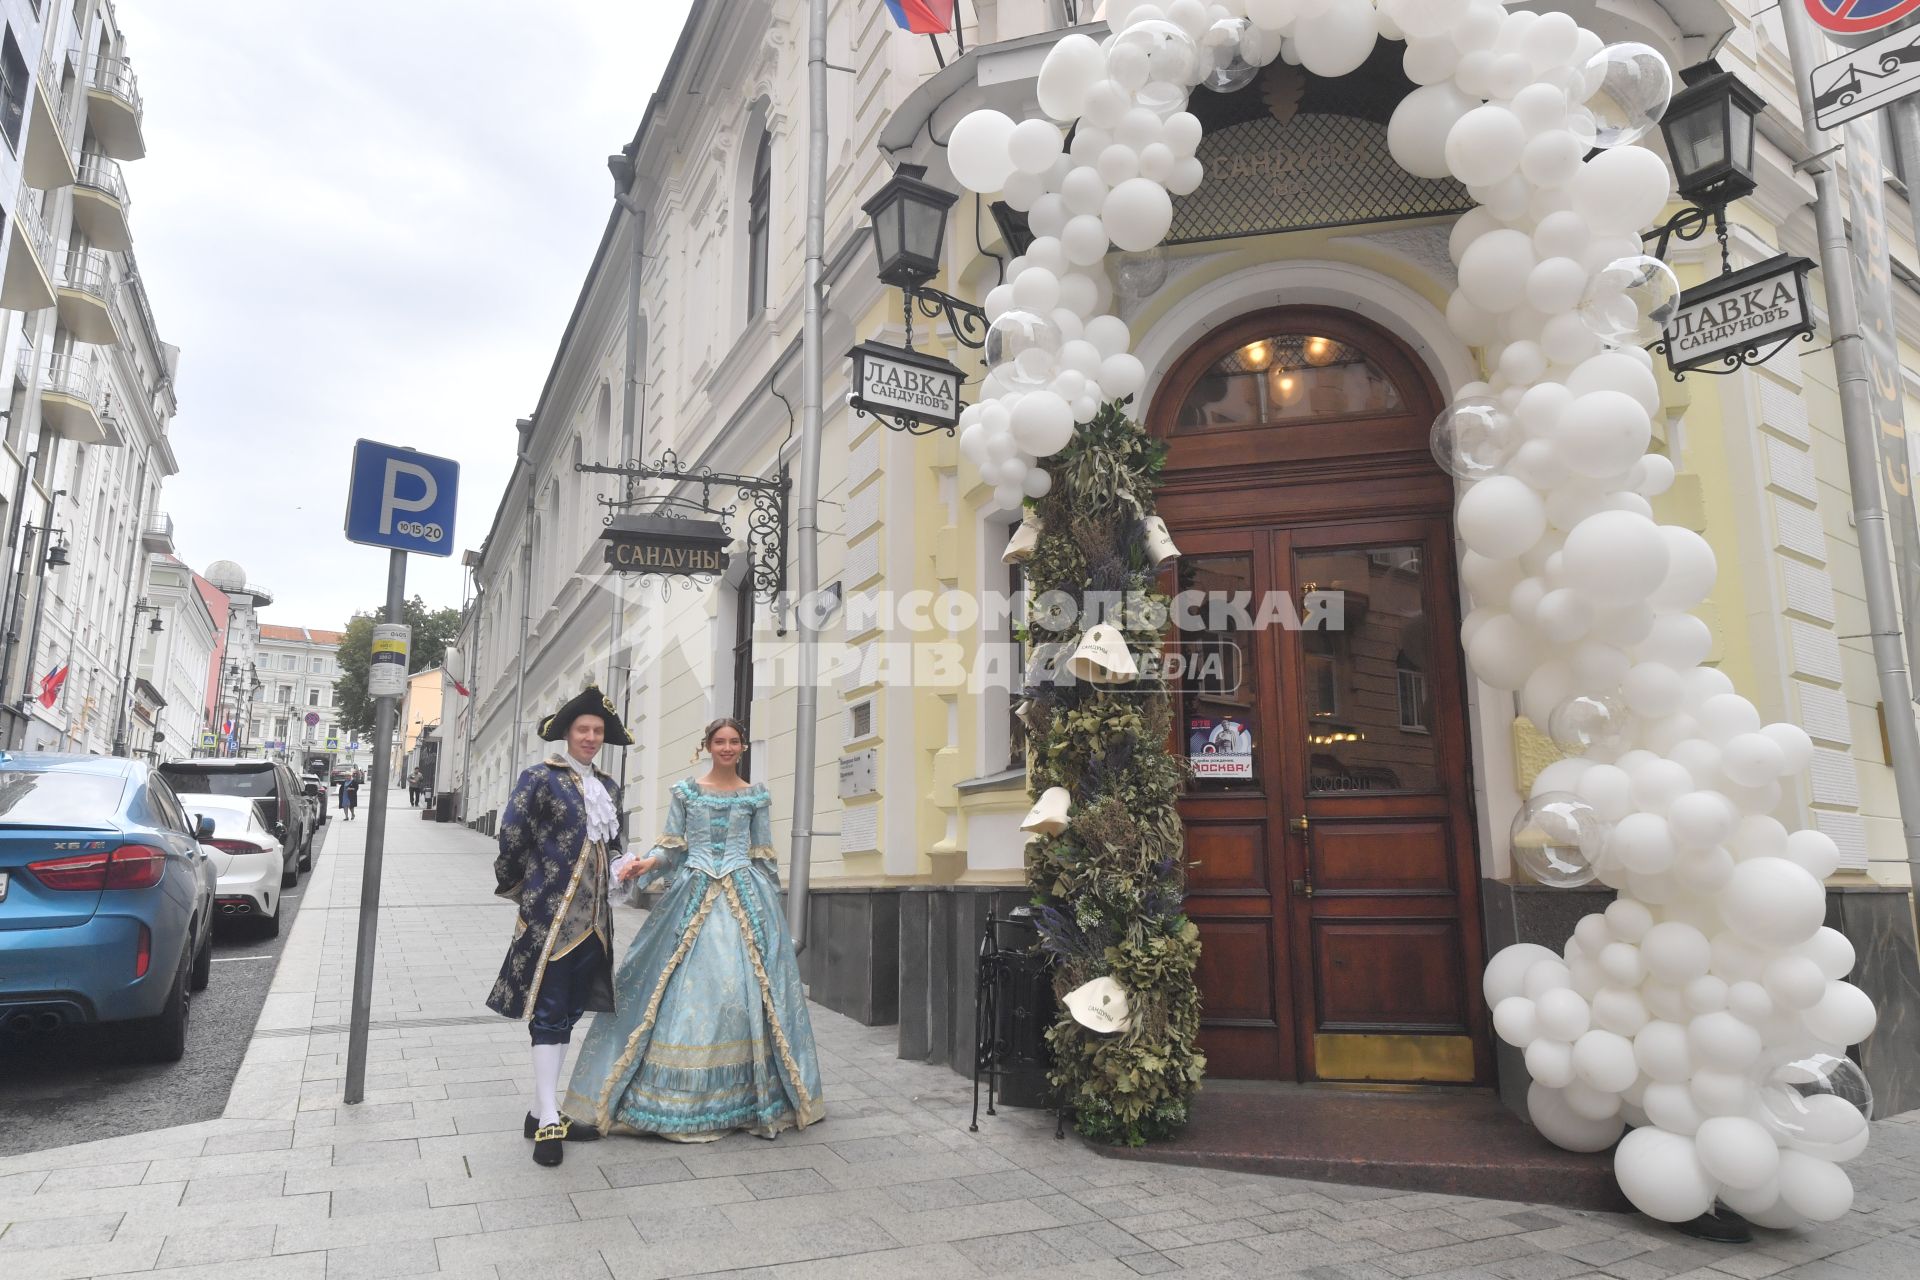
[{"x": 1705, "y": 1009}]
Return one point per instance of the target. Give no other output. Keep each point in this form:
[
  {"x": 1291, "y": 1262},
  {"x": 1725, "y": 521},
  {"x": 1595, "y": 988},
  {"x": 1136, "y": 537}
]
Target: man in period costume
[{"x": 559, "y": 833}]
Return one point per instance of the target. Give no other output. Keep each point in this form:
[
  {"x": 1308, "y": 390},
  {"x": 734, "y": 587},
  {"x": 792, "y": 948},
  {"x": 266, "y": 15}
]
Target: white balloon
[
  {"x": 1675, "y": 952},
  {"x": 1794, "y": 982},
  {"x": 1641, "y": 843},
  {"x": 1621, "y": 191},
  {"x": 1514, "y": 1021},
  {"x": 1661, "y": 1050},
  {"x": 1117, "y": 164},
  {"x": 1844, "y": 1015},
  {"x": 1813, "y": 851},
  {"x": 1616, "y": 556},
  {"x": 1137, "y": 214},
  {"x": 1737, "y": 1151},
  {"x": 1818, "y": 1190},
  {"x": 1725, "y": 716},
  {"x": 1831, "y": 950},
  {"x": 1701, "y": 819},
  {"x": 1417, "y": 131},
  {"x": 1552, "y": 158},
  {"x": 1773, "y": 903},
  {"x": 1430, "y": 61},
  {"x": 1109, "y": 336},
  {"x": 1691, "y": 570},
  {"x": 1033, "y": 146},
  {"x": 1334, "y": 43},
  {"x": 1616, "y": 371},
  {"x": 1604, "y": 1060},
  {"x": 1506, "y": 974},
  {"x": 1495, "y": 268},
  {"x": 1042, "y": 423},
  {"x": 1550, "y": 1063},
  {"x": 1752, "y": 759},
  {"x": 1562, "y": 1014},
  {"x": 1122, "y": 376},
  {"x": 1723, "y": 1042},
  {"x": 1500, "y": 517},
  {"x": 1796, "y": 748},
  {"x": 1484, "y": 146},
  {"x": 1602, "y": 433},
  {"x": 1181, "y": 131},
  {"x": 1590, "y": 1103},
  {"x": 1671, "y": 1107},
  {"x": 977, "y": 150},
  {"x": 1620, "y": 1011},
  {"x": 1661, "y": 1174},
  {"x": 1073, "y": 66},
  {"x": 1559, "y": 1124},
  {"x": 1083, "y": 191},
  {"x": 1555, "y": 286}
]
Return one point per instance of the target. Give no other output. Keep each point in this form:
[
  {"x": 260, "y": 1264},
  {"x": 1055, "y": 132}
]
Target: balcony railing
[
  {"x": 33, "y": 223},
  {"x": 115, "y": 76},
  {"x": 74, "y": 376},
  {"x": 88, "y": 271},
  {"x": 102, "y": 174},
  {"x": 157, "y": 533}
]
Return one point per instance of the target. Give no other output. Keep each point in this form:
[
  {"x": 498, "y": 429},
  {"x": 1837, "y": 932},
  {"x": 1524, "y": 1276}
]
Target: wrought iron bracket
[
  {"x": 1688, "y": 225},
  {"x": 968, "y": 322},
  {"x": 766, "y": 521},
  {"x": 904, "y": 422},
  {"x": 1733, "y": 361}
]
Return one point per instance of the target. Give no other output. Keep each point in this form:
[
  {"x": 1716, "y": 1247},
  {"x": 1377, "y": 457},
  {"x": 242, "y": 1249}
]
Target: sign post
[{"x": 403, "y": 501}]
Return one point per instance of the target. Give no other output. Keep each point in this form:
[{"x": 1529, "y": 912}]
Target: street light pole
[{"x": 140, "y": 606}]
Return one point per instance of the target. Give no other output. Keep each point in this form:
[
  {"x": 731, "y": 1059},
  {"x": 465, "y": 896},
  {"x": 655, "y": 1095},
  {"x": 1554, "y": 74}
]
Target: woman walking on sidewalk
[
  {"x": 561, "y": 827},
  {"x": 712, "y": 1032},
  {"x": 349, "y": 797}
]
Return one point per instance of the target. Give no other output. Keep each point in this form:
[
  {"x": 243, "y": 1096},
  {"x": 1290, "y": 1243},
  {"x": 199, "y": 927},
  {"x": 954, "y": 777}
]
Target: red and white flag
[{"x": 50, "y": 685}]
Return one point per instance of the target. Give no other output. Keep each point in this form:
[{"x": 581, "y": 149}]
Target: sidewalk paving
[{"x": 431, "y": 1176}]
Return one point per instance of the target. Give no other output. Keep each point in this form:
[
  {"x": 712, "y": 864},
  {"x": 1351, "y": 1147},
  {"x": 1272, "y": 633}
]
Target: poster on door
[{"x": 1219, "y": 747}]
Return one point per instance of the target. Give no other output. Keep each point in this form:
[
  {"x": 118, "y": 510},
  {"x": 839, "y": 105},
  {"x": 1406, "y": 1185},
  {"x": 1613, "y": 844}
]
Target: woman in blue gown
[{"x": 710, "y": 1032}]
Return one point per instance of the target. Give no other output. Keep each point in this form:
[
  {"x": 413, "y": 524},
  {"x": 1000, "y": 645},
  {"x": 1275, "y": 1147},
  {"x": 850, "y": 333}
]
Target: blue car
[{"x": 106, "y": 900}]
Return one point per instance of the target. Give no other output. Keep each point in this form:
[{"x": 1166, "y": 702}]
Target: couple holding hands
[{"x": 704, "y": 1028}]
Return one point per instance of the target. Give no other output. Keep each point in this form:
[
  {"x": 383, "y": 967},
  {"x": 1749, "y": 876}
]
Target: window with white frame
[
  {"x": 1413, "y": 695},
  {"x": 759, "y": 202}
]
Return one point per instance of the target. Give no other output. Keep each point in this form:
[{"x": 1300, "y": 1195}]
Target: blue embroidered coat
[
  {"x": 543, "y": 837},
  {"x": 712, "y": 1032}
]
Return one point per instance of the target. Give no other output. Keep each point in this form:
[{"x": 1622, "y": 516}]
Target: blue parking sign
[{"x": 401, "y": 499}]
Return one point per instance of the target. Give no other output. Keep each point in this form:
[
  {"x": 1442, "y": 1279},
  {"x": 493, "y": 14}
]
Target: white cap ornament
[
  {"x": 1048, "y": 817},
  {"x": 1025, "y": 538},
  {"x": 1100, "y": 1005},
  {"x": 1160, "y": 548},
  {"x": 1102, "y": 657}
]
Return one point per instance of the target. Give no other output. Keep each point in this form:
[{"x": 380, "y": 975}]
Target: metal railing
[
  {"x": 67, "y": 375},
  {"x": 160, "y": 525},
  {"x": 87, "y": 271},
  {"x": 114, "y": 76},
  {"x": 103, "y": 174},
  {"x": 52, "y": 79},
  {"x": 32, "y": 222}
]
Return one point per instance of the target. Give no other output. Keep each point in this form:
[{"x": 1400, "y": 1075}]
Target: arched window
[{"x": 759, "y": 200}]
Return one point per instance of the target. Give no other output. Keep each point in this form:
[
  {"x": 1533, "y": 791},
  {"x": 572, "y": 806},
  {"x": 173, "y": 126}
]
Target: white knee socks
[{"x": 547, "y": 1060}]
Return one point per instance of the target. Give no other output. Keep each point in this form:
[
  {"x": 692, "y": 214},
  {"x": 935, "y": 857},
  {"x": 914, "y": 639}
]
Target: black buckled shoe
[
  {"x": 550, "y": 1144},
  {"x": 577, "y": 1130}
]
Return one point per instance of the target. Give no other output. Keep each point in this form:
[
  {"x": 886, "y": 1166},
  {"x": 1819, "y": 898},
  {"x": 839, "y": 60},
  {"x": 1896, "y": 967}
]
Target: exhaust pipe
[
  {"x": 20, "y": 1024},
  {"x": 48, "y": 1021}
]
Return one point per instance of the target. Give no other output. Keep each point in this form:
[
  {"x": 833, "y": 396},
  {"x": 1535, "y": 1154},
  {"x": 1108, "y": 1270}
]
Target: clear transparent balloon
[
  {"x": 1632, "y": 86},
  {"x": 1629, "y": 301},
  {"x": 1818, "y": 1103},
  {"x": 1588, "y": 723},
  {"x": 1475, "y": 437},
  {"x": 1169, "y": 53},
  {"x": 1136, "y": 275},
  {"x": 1228, "y": 67},
  {"x": 1023, "y": 349},
  {"x": 1557, "y": 837}
]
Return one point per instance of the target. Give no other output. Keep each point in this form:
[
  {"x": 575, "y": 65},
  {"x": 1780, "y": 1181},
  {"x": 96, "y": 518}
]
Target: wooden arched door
[{"x": 1329, "y": 819}]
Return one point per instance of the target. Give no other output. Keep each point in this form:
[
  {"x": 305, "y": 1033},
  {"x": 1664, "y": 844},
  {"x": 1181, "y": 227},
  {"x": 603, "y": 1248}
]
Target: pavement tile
[
  {"x": 1150, "y": 1264},
  {"x": 785, "y": 1182},
  {"x": 74, "y": 1261},
  {"x": 227, "y": 1166},
  {"x": 227, "y": 1244},
  {"x": 532, "y": 1211},
  {"x": 295, "y": 1266},
  {"x": 239, "y": 1186},
  {"x": 963, "y": 1222},
  {"x": 97, "y": 1200},
  {"x": 924, "y": 1262},
  {"x": 376, "y": 1151},
  {"x": 45, "y": 1233},
  {"x": 85, "y": 1178},
  {"x": 366, "y": 1261},
  {"x": 938, "y": 1194},
  {"x": 229, "y": 1144},
  {"x": 213, "y": 1214},
  {"x": 358, "y": 1202},
  {"x": 997, "y": 1254},
  {"x": 377, "y": 1228},
  {"x": 621, "y": 1201},
  {"x": 695, "y": 1254},
  {"x": 330, "y": 1177}
]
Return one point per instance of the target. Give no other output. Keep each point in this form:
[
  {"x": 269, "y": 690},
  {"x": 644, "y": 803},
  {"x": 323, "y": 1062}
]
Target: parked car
[
  {"x": 255, "y": 780},
  {"x": 315, "y": 787},
  {"x": 341, "y": 772},
  {"x": 246, "y": 858},
  {"x": 106, "y": 899}
]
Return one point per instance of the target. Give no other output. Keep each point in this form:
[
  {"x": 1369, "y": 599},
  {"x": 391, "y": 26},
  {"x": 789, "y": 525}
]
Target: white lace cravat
[{"x": 602, "y": 820}]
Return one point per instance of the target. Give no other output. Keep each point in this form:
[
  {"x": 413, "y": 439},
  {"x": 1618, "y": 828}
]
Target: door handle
[
  {"x": 1303, "y": 887},
  {"x": 1301, "y": 824}
]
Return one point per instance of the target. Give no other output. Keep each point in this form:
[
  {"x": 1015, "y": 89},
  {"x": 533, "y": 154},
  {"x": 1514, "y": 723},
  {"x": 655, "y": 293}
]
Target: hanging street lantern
[{"x": 909, "y": 227}]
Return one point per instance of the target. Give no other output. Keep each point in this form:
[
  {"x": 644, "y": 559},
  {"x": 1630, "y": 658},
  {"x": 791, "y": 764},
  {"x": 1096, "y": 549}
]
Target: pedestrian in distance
[
  {"x": 413, "y": 788},
  {"x": 711, "y": 1032},
  {"x": 558, "y": 836},
  {"x": 349, "y": 797}
]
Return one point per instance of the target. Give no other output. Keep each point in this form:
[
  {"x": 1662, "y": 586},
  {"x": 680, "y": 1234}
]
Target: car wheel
[
  {"x": 165, "y": 1037},
  {"x": 306, "y": 855},
  {"x": 270, "y": 925},
  {"x": 290, "y": 873},
  {"x": 203, "y": 962}
]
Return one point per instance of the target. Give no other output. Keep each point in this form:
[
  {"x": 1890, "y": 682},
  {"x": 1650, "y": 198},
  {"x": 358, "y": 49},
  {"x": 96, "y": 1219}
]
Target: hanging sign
[
  {"x": 1866, "y": 79},
  {"x": 387, "y": 669},
  {"x": 1740, "y": 318},
  {"x": 1850, "y": 17},
  {"x": 898, "y": 382},
  {"x": 666, "y": 545}
]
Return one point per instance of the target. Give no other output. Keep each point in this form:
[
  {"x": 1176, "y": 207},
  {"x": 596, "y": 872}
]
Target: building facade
[
  {"x": 172, "y": 663},
  {"x": 297, "y": 709},
  {"x": 92, "y": 383},
  {"x": 242, "y": 695},
  {"x": 1294, "y": 334}
]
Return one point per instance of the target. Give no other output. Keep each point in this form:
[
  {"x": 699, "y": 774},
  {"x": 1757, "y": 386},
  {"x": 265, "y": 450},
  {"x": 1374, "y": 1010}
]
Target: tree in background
[{"x": 433, "y": 631}]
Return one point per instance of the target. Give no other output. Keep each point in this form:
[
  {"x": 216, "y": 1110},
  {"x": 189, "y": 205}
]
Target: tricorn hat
[{"x": 588, "y": 702}]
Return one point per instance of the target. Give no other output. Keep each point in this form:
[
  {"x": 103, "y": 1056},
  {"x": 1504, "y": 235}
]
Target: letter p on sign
[{"x": 402, "y": 499}]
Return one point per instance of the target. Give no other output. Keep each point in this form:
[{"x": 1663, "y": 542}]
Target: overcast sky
[{"x": 367, "y": 219}]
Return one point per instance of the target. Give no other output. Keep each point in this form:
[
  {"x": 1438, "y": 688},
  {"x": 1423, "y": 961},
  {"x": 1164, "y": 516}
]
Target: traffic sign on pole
[
  {"x": 1866, "y": 79},
  {"x": 1851, "y": 17},
  {"x": 402, "y": 499}
]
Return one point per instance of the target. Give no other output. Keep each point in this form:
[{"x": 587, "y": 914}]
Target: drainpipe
[
  {"x": 807, "y": 491},
  {"x": 630, "y": 442},
  {"x": 1858, "y": 425},
  {"x": 525, "y": 426},
  {"x": 40, "y": 599},
  {"x": 16, "y": 564}
]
